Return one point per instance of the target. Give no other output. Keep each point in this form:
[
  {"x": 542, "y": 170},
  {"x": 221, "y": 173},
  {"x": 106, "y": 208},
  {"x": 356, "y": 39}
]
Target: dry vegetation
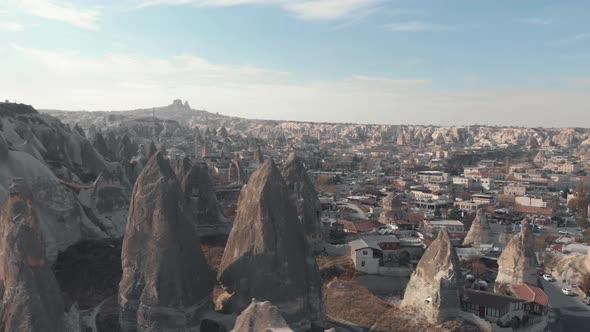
[
  {"x": 340, "y": 267},
  {"x": 348, "y": 302},
  {"x": 353, "y": 303}
]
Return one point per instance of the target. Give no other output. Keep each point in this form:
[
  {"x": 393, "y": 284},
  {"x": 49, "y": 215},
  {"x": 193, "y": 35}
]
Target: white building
[{"x": 450, "y": 225}]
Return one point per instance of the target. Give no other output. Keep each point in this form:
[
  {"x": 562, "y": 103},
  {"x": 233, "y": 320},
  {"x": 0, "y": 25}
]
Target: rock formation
[
  {"x": 505, "y": 235},
  {"x": 260, "y": 316},
  {"x": 267, "y": 256},
  {"x": 166, "y": 283},
  {"x": 30, "y": 299},
  {"x": 236, "y": 173},
  {"x": 479, "y": 232},
  {"x": 199, "y": 192},
  {"x": 258, "y": 157},
  {"x": 517, "y": 263},
  {"x": 392, "y": 205},
  {"x": 304, "y": 195},
  {"x": 107, "y": 201},
  {"x": 436, "y": 286}
]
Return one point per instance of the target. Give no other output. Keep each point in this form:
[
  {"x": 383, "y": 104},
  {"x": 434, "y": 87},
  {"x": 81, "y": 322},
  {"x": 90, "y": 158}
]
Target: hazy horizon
[{"x": 340, "y": 61}]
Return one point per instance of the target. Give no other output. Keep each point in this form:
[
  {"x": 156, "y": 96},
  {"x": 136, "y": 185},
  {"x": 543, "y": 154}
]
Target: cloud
[
  {"x": 416, "y": 26},
  {"x": 63, "y": 12},
  {"x": 11, "y": 26},
  {"x": 537, "y": 21},
  {"x": 303, "y": 9},
  {"x": 68, "y": 80},
  {"x": 571, "y": 39}
]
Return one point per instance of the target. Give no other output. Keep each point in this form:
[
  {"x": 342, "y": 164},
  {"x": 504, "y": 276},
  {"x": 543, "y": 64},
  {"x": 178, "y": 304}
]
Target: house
[
  {"x": 515, "y": 190},
  {"x": 536, "y": 301},
  {"x": 367, "y": 252},
  {"x": 450, "y": 225},
  {"x": 533, "y": 211},
  {"x": 493, "y": 307}
]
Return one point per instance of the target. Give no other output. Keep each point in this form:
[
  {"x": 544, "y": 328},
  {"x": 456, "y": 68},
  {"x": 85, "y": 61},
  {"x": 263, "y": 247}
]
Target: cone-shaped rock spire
[
  {"x": 517, "y": 263},
  {"x": 436, "y": 286},
  {"x": 260, "y": 316},
  {"x": 267, "y": 256},
  {"x": 30, "y": 299},
  {"x": 479, "y": 232},
  {"x": 166, "y": 282},
  {"x": 304, "y": 195}
]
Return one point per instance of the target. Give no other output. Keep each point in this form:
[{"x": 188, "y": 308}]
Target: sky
[{"x": 441, "y": 62}]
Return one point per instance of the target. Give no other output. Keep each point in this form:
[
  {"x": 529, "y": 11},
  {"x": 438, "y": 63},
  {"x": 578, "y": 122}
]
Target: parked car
[
  {"x": 586, "y": 300},
  {"x": 563, "y": 232},
  {"x": 548, "y": 277},
  {"x": 568, "y": 291}
]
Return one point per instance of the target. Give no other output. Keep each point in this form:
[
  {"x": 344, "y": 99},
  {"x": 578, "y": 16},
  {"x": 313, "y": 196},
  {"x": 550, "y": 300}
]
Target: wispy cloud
[
  {"x": 63, "y": 12},
  {"x": 303, "y": 9},
  {"x": 571, "y": 39},
  {"x": 416, "y": 26},
  {"x": 11, "y": 26},
  {"x": 538, "y": 21},
  {"x": 68, "y": 79}
]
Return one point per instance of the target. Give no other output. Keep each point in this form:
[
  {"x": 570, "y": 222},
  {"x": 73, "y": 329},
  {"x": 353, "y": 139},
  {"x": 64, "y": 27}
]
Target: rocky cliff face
[
  {"x": 47, "y": 153},
  {"x": 480, "y": 229},
  {"x": 505, "y": 235},
  {"x": 260, "y": 316},
  {"x": 200, "y": 194},
  {"x": 267, "y": 256},
  {"x": 166, "y": 283},
  {"x": 305, "y": 197},
  {"x": 30, "y": 299},
  {"x": 436, "y": 286},
  {"x": 517, "y": 263}
]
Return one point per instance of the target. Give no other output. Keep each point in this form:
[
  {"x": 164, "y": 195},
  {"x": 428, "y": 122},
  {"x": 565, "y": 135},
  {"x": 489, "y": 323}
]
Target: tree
[
  {"x": 478, "y": 268},
  {"x": 455, "y": 214}
]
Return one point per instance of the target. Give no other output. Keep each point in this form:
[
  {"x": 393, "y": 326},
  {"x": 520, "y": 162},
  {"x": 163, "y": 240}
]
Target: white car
[
  {"x": 548, "y": 277},
  {"x": 567, "y": 291}
]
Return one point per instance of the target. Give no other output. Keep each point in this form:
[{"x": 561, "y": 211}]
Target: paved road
[{"x": 572, "y": 313}]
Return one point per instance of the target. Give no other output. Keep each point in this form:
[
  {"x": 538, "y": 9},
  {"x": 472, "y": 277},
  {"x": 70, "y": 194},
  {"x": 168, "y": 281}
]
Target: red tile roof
[
  {"x": 533, "y": 210},
  {"x": 360, "y": 226},
  {"x": 530, "y": 294}
]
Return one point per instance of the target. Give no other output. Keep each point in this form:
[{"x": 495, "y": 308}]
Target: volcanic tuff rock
[
  {"x": 30, "y": 299},
  {"x": 47, "y": 153},
  {"x": 260, "y": 316},
  {"x": 505, "y": 235},
  {"x": 479, "y": 232},
  {"x": 166, "y": 282},
  {"x": 304, "y": 195},
  {"x": 436, "y": 286},
  {"x": 517, "y": 263},
  {"x": 258, "y": 157},
  {"x": 392, "y": 205},
  {"x": 267, "y": 256},
  {"x": 199, "y": 193}
]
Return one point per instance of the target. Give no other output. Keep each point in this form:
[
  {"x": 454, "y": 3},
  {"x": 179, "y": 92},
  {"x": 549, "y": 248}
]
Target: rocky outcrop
[
  {"x": 436, "y": 285},
  {"x": 166, "y": 283},
  {"x": 517, "y": 263},
  {"x": 479, "y": 232},
  {"x": 505, "y": 235},
  {"x": 260, "y": 316},
  {"x": 392, "y": 205},
  {"x": 305, "y": 197},
  {"x": 237, "y": 172},
  {"x": 30, "y": 299},
  {"x": 107, "y": 201},
  {"x": 199, "y": 192},
  {"x": 258, "y": 157},
  {"x": 267, "y": 256}
]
